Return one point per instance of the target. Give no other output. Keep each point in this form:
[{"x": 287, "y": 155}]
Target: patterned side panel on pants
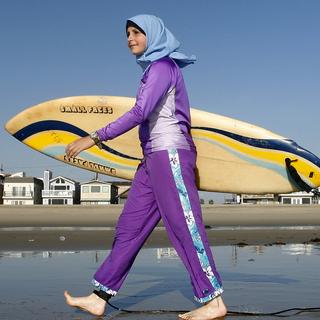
[{"x": 193, "y": 229}]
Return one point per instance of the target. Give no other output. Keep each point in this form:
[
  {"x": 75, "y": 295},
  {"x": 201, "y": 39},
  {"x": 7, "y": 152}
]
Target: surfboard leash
[{"x": 281, "y": 313}]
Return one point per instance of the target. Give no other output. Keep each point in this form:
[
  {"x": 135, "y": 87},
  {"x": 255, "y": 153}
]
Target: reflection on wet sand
[
  {"x": 84, "y": 238},
  {"x": 171, "y": 253},
  {"x": 257, "y": 278}
]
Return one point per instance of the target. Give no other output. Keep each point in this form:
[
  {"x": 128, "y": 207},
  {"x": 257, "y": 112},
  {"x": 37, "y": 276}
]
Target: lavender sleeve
[{"x": 154, "y": 86}]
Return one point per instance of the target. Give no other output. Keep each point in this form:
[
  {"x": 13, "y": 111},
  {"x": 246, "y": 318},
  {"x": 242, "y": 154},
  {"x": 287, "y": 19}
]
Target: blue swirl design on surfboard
[
  {"x": 41, "y": 126},
  {"x": 286, "y": 145}
]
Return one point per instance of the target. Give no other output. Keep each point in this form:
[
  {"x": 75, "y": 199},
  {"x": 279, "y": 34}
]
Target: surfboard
[{"x": 233, "y": 156}]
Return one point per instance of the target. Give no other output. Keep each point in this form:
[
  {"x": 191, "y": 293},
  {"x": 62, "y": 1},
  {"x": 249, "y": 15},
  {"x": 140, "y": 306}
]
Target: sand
[
  {"x": 92, "y": 227},
  {"x": 106, "y": 216}
]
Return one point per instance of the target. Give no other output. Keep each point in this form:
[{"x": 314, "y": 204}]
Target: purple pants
[{"x": 163, "y": 188}]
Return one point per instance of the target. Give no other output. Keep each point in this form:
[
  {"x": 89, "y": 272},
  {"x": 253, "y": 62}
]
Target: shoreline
[{"x": 63, "y": 228}]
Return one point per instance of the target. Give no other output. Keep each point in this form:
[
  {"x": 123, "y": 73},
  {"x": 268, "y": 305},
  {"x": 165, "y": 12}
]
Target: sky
[{"x": 257, "y": 61}]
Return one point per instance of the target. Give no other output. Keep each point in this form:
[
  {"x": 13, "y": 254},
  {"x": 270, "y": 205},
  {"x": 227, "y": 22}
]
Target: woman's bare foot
[
  {"x": 214, "y": 309},
  {"x": 92, "y": 303}
]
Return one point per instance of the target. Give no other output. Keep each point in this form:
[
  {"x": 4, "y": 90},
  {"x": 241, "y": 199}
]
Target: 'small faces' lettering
[{"x": 74, "y": 108}]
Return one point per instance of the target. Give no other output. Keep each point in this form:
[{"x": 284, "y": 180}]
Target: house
[
  {"x": 301, "y": 197},
  {"x": 22, "y": 190},
  {"x": 59, "y": 190},
  {"x": 257, "y": 198},
  {"x": 96, "y": 192}
]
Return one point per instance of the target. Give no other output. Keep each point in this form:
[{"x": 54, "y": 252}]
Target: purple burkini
[
  {"x": 164, "y": 186},
  {"x": 161, "y": 109}
]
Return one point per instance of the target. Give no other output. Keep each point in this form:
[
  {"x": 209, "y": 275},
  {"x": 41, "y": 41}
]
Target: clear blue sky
[{"x": 258, "y": 61}]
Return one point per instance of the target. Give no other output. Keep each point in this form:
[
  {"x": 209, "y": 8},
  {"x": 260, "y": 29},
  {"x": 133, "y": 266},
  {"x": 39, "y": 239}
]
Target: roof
[
  {"x": 121, "y": 183},
  {"x": 22, "y": 180},
  {"x": 96, "y": 182},
  {"x": 62, "y": 177}
]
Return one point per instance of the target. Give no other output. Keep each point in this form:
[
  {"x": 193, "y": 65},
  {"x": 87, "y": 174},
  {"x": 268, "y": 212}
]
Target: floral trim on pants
[{"x": 192, "y": 226}]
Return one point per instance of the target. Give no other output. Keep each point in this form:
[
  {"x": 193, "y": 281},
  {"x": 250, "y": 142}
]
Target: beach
[
  {"x": 47, "y": 249},
  {"x": 92, "y": 227}
]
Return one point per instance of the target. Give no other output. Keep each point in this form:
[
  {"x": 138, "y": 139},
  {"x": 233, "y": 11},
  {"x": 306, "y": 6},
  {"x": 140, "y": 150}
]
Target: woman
[{"x": 164, "y": 184}]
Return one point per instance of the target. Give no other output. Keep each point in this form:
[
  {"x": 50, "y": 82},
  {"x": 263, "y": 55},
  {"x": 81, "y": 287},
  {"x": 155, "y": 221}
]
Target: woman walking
[{"x": 164, "y": 186}]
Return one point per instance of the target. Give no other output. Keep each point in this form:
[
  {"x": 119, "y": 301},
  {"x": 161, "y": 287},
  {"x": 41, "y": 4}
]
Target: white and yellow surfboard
[{"x": 233, "y": 156}]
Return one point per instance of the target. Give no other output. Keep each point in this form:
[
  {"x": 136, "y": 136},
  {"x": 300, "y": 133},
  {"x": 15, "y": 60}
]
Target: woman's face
[{"x": 137, "y": 41}]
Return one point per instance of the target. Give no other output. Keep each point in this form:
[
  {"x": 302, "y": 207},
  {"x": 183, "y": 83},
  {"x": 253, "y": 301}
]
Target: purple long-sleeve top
[{"x": 162, "y": 110}]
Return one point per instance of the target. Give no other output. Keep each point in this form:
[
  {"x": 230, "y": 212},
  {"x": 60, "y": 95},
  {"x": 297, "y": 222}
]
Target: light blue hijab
[{"x": 160, "y": 42}]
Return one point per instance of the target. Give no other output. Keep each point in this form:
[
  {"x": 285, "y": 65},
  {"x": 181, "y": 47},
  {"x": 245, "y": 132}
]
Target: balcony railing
[
  {"x": 57, "y": 193},
  {"x": 18, "y": 194}
]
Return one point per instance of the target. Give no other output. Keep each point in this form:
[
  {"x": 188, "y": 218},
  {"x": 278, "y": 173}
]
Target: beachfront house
[
  {"x": 257, "y": 198},
  {"x": 59, "y": 190},
  {"x": 21, "y": 190},
  {"x": 96, "y": 192},
  {"x": 296, "y": 198}
]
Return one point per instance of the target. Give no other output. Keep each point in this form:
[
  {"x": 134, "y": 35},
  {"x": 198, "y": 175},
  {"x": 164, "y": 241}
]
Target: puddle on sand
[{"x": 256, "y": 279}]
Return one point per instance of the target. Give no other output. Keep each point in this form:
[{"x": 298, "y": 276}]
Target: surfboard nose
[
  {"x": 9, "y": 126},
  {"x": 17, "y": 122}
]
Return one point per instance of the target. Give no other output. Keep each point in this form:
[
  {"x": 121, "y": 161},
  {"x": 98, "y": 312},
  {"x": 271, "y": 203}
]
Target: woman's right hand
[{"x": 74, "y": 148}]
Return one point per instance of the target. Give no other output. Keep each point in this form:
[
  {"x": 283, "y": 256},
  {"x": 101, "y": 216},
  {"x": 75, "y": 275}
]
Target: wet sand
[
  {"x": 45, "y": 250},
  {"x": 256, "y": 279},
  {"x": 88, "y": 228}
]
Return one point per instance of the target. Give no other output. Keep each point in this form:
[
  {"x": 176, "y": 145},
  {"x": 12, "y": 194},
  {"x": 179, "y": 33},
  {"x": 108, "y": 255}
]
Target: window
[
  {"x": 95, "y": 188},
  {"x": 306, "y": 200},
  {"x": 57, "y": 201},
  {"x": 85, "y": 189},
  {"x": 19, "y": 191},
  {"x": 17, "y": 202},
  {"x": 59, "y": 188},
  {"x": 105, "y": 189},
  {"x": 286, "y": 200},
  {"x": 296, "y": 201}
]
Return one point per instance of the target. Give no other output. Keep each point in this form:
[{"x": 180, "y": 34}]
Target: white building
[
  {"x": 257, "y": 198},
  {"x": 295, "y": 198},
  {"x": 59, "y": 190},
  {"x": 96, "y": 192},
  {"x": 21, "y": 190}
]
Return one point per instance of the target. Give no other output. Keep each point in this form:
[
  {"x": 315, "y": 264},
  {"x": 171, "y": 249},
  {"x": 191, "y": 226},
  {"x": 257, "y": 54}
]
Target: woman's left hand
[{"x": 74, "y": 148}]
